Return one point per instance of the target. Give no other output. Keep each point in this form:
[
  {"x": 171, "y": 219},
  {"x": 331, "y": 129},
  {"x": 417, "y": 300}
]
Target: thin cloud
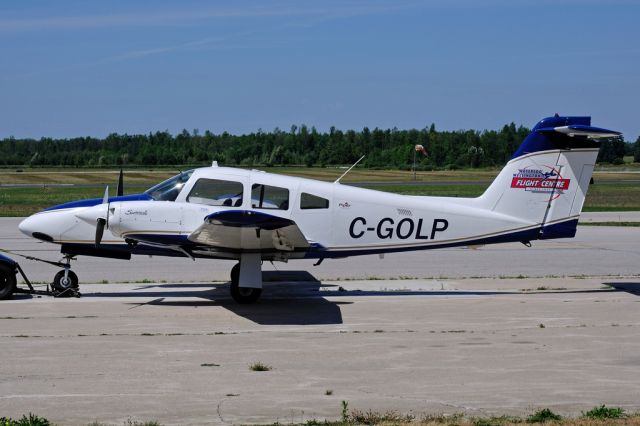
[
  {"x": 312, "y": 17},
  {"x": 319, "y": 10},
  {"x": 181, "y": 17},
  {"x": 159, "y": 50},
  {"x": 221, "y": 42}
]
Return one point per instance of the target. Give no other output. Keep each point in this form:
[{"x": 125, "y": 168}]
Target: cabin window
[
  {"x": 215, "y": 192},
  {"x": 269, "y": 197},
  {"x": 310, "y": 201}
]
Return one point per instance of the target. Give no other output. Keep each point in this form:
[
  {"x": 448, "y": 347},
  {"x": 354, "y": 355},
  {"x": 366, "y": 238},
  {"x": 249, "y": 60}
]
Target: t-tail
[{"x": 547, "y": 179}]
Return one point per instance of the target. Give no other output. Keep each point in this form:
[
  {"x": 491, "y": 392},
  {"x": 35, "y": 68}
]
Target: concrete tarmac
[{"x": 180, "y": 352}]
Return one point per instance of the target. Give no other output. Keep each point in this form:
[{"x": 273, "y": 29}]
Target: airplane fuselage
[{"x": 340, "y": 220}]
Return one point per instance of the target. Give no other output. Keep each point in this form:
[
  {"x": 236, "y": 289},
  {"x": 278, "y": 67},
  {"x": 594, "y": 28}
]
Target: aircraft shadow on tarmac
[
  {"x": 631, "y": 288},
  {"x": 293, "y": 297},
  {"x": 288, "y": 298}
]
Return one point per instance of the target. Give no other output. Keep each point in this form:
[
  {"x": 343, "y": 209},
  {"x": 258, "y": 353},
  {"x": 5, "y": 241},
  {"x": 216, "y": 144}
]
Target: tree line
[{"x": 384, "y": 148}]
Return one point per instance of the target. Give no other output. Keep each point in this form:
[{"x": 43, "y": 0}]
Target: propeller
[
  {"x": 103, "y": 222},
  {"x": 100, "y": 224},
  {"x": 120, "y": 188}
]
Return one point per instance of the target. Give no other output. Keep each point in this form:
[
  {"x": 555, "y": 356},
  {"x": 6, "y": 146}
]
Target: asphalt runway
[{"x": 180, "y": 352}]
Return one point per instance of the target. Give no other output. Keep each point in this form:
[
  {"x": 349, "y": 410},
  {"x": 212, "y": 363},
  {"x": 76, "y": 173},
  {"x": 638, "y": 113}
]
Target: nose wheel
[{"x": 65, "y": 281}]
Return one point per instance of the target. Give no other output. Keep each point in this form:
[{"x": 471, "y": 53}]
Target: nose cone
[
  {"x": 34, "y": 226},
  {"x": 27, "y": 226},
  {"x": 48, "y": 225}
]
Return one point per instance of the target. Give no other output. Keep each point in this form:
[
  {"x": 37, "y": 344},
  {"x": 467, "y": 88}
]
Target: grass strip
[{"x": 600, "y": 198}]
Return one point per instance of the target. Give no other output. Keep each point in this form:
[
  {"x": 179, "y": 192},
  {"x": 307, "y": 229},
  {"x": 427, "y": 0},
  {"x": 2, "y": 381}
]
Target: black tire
[
  {"x": 244, "y": 295},
  {"x": 235, "y": 273},
  {"x": 59, "y": 284},
  {"x": 7, "y": 282}
]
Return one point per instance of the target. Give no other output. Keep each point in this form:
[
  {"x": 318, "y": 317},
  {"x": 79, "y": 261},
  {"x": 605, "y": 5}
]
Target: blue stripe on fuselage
[
  {"x": 566, "y": 229},
  {"x": 96, "y": 201}
]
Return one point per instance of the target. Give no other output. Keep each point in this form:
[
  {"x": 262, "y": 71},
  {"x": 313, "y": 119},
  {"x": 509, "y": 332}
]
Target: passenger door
[{"x": 313, "y": 212}]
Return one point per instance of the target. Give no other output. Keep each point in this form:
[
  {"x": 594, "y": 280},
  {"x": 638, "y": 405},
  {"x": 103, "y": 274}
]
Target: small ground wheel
[
  {"x": 244, "y": 295},
  {"x": 61, "y": 284},
  {"x": 7, "y": 282}
]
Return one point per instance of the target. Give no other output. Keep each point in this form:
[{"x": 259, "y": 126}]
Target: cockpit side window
[
  {"x": 215, "y": 192},
  {"x": 269, "y": 197},
  {"x": 310, "y": 201},
  {"x": 170, "y": 188}
]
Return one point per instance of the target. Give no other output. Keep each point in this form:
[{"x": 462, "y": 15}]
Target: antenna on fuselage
[{"x": 348, "y": 170}]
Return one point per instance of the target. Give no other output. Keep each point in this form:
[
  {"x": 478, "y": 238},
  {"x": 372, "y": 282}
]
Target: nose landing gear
[{"x": 65, "y": 282}]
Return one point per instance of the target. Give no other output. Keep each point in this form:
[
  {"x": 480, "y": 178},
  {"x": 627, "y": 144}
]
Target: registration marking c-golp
[{"x": 404, "y": 229}]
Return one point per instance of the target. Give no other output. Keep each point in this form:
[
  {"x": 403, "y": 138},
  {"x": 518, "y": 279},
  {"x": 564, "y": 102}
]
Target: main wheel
[
  {"x": 235, "y": 273},
  {"x": 60, "y": 284},
  {"x": 244, "y": 295},
  {"x": 7, "y": 282}
]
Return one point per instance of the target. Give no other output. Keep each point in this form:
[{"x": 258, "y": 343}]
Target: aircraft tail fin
[{"x": 547, "y": 179}]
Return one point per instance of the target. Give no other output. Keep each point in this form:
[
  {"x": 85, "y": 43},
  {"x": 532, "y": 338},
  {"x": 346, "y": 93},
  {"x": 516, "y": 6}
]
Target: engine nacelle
[{"x": 138, "y": 218}]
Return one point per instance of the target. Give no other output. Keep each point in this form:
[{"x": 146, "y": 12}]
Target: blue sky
[{"x": 77, "y": 68}]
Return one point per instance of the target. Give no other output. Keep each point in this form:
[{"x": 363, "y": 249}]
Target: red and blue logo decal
[{"x": 540, "y": 179}]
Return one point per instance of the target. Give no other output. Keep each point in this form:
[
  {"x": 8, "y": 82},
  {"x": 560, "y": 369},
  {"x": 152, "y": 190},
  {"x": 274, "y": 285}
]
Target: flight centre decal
[{"x": 540, "y": 179}]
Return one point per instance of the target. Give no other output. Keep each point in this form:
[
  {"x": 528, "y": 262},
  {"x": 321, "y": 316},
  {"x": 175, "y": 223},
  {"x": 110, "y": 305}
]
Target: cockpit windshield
[{"x": 170, "y": 188}]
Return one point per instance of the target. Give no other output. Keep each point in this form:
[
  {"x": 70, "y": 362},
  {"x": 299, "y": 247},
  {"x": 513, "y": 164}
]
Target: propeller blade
[
  {"x": 120, "y": 189},
  {"x": 100, "y": 223},
  {"x": 105, "y": 199}
]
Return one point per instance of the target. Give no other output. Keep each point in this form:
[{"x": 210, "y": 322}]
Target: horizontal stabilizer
[
  {"x": 584, "y": 131},
  {"x": 246, "y": 230}
]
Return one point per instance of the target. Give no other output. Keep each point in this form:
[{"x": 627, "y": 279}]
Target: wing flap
[{"x": 246, "y": 230}]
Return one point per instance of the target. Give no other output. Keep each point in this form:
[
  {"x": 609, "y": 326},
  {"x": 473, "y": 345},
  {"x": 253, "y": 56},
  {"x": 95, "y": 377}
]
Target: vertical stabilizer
[{"x": 547, "y": 179}]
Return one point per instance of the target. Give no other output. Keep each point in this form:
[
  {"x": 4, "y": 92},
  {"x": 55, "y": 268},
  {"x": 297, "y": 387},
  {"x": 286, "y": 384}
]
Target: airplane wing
[{"x": 246, "y": 230}]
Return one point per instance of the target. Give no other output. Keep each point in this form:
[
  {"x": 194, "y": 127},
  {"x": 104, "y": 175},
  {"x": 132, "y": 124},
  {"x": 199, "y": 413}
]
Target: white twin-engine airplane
[{"x": 253, "y": 216}]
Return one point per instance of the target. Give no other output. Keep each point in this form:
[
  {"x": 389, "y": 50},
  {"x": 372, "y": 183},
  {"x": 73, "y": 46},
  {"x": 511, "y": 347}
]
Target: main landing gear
[{"x": 246, "y": 279}]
